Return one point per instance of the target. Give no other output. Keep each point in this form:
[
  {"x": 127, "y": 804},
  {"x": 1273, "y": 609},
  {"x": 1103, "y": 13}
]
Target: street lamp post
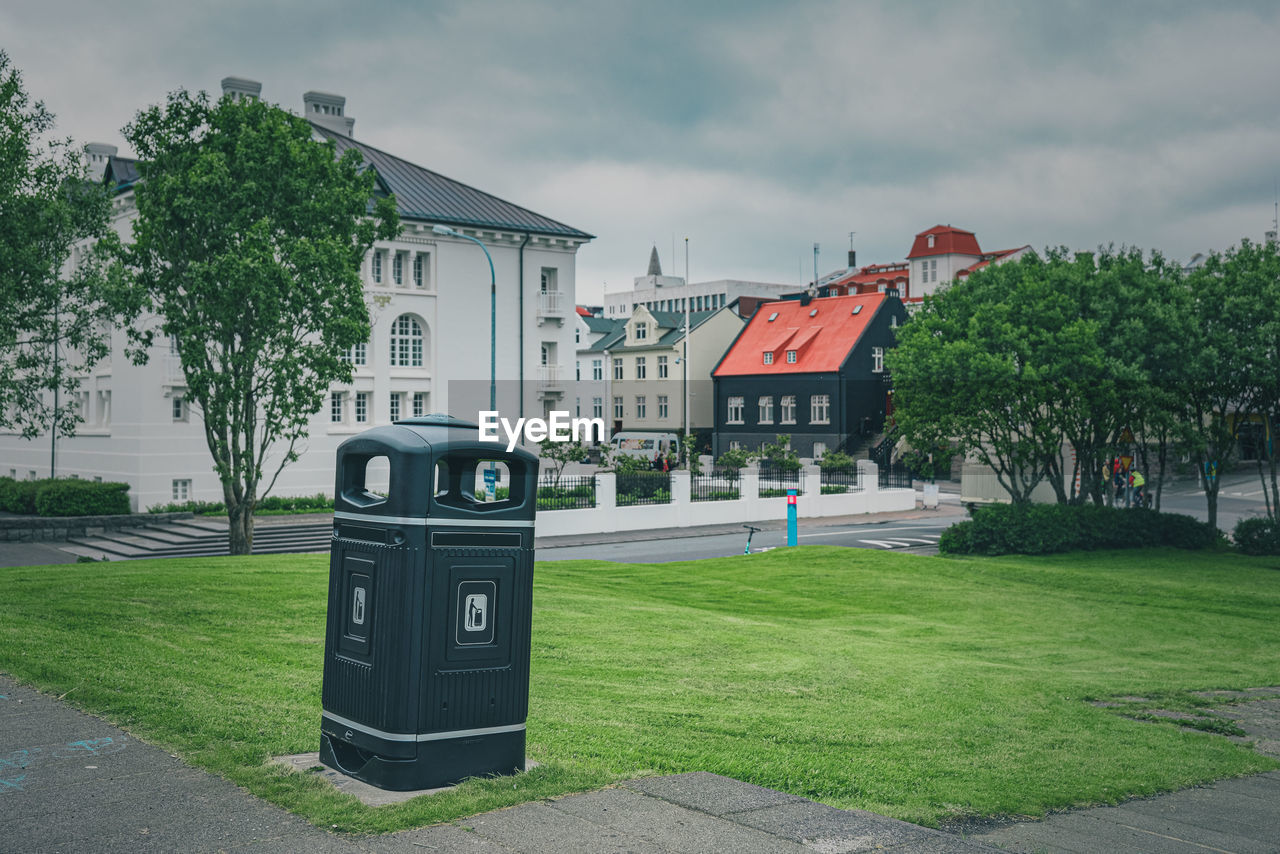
[{"x": 493, "y": 313}]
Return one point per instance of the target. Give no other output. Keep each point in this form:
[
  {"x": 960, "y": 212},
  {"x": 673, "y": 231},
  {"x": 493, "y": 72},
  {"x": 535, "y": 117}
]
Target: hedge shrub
[
  {"x": 18, "y": 496},
  {"x": 81, "y": 498},
  {"x": 1257, "y": 537},
  {"x": 1048, "y": 528},
  {"x": 63, "y": 497},
  {"x": 276, "y": 503}
]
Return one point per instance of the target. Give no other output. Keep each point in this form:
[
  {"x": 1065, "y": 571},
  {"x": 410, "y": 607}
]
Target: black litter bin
[{"x": 426, "y": 666}]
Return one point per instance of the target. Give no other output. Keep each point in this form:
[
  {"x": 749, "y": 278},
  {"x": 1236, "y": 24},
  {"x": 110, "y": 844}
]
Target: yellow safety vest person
[{"x": 1138, "y": 480}]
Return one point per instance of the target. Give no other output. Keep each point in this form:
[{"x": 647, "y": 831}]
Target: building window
[
  {"x": 819, "y": 448},
  {"x": 735, "y": 446},
  {"x": 548, "y": 280},
  {"x": 617, "y": 369},
  {"x": 397, "y": 268},
  {"x": 640, "y": 368},
  {"x": 930, "y": 239},
  {"x": 662, "y": 367},
  {"x": 642, "y": 331},
  {"x": 335, "y": 407},
  {"x": 357, "y": 355},
  {"x": 406, "y": 343},
  {"x": 418, "y": 264},
  {"x": 597, "y": 369},
  {"x": 933, "y": 270},
  {"x": 877, "y": 360},
  {"x": 362, "y": 407},
  {"x": 577, "y": 335},
  {"x": 641, "y": 408},
  {"x": 395, "y": 405},
  {"x": 179, "y": 407},
  {"x": 663, "y": 408},
  {"x": 766, "y": 409},
  {"x": 597, "y": 407},
  {"x": 733, "y": 415},
  {"x": 768, "y": 357},
  {"x": 787, "y": 409},
  {"x": 419, "y": 404},
  {"x": 617, "y": 407},
  {"x": 791, "y": 357},
  {"x": 182, "y": 490},
  {"x": 820, "y": 409},
  {"x": 376, "y": 266}
]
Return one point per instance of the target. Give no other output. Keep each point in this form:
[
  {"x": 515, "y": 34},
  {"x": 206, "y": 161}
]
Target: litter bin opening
[
  {"x": 366, "y": 479},
  {"x": 476, "y": 483}
]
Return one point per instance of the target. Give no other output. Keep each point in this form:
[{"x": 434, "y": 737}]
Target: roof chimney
[
  {"x": 327, "y": 110},
  {"x": 241, "y": 87},
  {"x": 97, "y": 154}
]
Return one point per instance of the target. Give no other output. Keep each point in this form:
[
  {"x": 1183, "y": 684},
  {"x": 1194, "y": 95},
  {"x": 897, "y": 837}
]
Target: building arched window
[{"x": 406, "y": 342}]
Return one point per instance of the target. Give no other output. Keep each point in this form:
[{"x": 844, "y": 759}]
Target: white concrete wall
[{"x": 683, "y": 513}]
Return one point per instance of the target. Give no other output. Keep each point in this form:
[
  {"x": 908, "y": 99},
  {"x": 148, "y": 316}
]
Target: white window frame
[
  {"x": 734, "y": 409},
  {"x": 819, "y": 409},
  {"x": 394, "y": 405},
  {"x": 664, "y": 408},
  {"x": 765, "y": 404},
  {"x": 337, "y": 409},
  {"x": 787, "y": 409},
  {"x": 641, "y": 370},
  {"x": 182, "y": 489},
  {"x": 597, "y": 407},
  {"x": 397, "y": 268},
  {"x": 791, "y": 357},
  {"x": 642, "y": 407},
  {"x": 362, "y": 407},
  {"x": 597, "y": 369},
  {"x": 768, "y": 357},
  {"x": 419, "y": 404},
  {"x": 375, "y": 266},
  {"x": 178, "y": 408},
  {"x": 662, "y": 367},
  {"x": 877, "y": 360},
  {"x": 618, "y": 412},
  {"x": 407, "y": 342},
  {"x": 617, "y": 369}
]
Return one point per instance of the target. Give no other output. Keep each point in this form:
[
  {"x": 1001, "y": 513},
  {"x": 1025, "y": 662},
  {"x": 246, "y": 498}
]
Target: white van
[{"x": 646, "y": 445}]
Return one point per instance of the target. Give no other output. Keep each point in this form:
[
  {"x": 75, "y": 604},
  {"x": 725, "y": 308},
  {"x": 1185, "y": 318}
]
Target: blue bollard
[{"x": 791, "y": 517}]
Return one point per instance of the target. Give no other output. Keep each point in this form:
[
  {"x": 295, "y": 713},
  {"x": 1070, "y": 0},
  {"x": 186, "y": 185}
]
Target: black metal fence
[
  {"x": 775, "y": 482},
  {"x": 836, "y": 480},
  {"x": 895, "y": 476},
  {"x": 566, "y": 493},
  {"x": 643, "y": 487},
  {"x": 716, "y": 485}
]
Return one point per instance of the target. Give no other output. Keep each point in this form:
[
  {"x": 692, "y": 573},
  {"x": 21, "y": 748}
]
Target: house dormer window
[
  {"x": 791, "y": 357},
  {"x": 930, "y": 238},
  {"x": 642, "y": 331},
  {"x": 768, "y": 358}
]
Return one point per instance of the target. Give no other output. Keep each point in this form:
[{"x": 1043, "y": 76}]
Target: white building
[
  {"x": 657, "y": 292},
  {"x": 429, "y": 302}
]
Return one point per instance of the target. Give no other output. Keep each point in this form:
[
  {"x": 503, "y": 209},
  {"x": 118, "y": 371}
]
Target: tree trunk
[{"x": 239, "y": 529}]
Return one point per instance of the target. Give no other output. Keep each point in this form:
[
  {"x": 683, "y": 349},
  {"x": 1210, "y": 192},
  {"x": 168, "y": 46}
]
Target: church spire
[{"x": 655, "y": 269}]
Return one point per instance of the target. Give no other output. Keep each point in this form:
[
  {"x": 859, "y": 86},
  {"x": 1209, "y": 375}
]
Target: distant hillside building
[{"x": 657, "y": 292}]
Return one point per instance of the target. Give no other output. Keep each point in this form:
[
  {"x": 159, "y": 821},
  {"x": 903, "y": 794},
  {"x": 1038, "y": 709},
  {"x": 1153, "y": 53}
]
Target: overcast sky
[{"x": 753, "y": 129}]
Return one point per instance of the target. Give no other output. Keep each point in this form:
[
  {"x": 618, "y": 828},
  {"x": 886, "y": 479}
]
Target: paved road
[{"x": 915, "y": 535}]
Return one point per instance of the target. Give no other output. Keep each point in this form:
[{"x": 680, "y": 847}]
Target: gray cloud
[{"x": 753, "y": 129}]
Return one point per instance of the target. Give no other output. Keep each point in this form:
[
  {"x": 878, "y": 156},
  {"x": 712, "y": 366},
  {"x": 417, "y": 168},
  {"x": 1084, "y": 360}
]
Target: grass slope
[{"x": 922, "y": 688}]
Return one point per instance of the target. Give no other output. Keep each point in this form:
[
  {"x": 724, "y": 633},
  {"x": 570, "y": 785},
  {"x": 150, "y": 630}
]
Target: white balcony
[
  {"x": 551, "y": 379},
  {"x": 551, "y": 306}
]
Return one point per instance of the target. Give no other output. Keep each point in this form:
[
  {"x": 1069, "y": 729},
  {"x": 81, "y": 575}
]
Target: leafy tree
[
  {"x": 560, "y": 454},
  {"x": 248, "y": 245},
  {"x": 735, "y": 459},
  {"x": 836, "y": 460},
  {"x": 967, "y": 369},
  {"x": 779, "y": 455},
  {"x": 1253, "y": 277},
  {"x": 58, "y": 303}
]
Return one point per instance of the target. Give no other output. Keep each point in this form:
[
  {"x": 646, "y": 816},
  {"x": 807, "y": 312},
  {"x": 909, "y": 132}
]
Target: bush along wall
[
  {"x": 59, "y": 497},
  {"x": 1047, "y": 528},
  {"x": 1257, "y": 537}
]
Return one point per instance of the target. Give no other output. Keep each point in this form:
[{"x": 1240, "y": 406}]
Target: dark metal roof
[
  {"x": 122, "y": 171},
  {"x": 423, "y": 194},
  {"x": 670, "y": 323}
]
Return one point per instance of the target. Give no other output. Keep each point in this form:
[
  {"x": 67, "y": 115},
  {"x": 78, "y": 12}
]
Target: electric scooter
[{"x": 750, "y": 531}]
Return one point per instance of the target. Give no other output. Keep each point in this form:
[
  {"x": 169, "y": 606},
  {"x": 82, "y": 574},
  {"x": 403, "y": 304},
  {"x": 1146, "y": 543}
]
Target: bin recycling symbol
[{"x": 476, "y": 601}]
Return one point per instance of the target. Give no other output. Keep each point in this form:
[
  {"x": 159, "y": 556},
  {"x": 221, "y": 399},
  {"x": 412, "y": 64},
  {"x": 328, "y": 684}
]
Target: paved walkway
[{"x": 70, "y": 782}]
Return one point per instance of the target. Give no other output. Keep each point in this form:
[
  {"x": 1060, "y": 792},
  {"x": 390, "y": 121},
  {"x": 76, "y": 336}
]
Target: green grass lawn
[{"x": 922, "y": 688}]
